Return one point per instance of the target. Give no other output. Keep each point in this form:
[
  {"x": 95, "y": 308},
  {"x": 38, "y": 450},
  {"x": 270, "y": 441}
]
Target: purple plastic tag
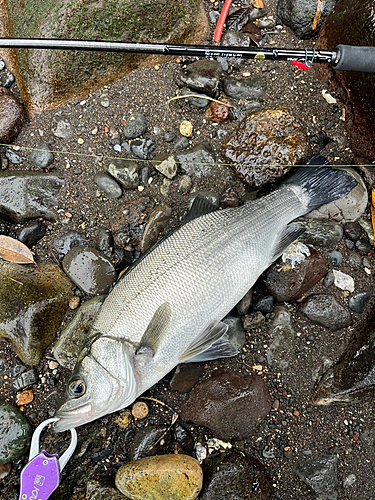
[{"x": 40, "y": 477}]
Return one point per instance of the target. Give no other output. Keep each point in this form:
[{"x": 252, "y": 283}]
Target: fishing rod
[{"x": 344, "y": 57}]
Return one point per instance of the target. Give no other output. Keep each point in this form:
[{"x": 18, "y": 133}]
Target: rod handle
[{"x": 352, "y": 58}]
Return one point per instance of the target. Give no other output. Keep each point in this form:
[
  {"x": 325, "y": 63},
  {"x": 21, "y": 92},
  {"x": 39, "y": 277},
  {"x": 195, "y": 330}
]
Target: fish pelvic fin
[
  {"x": 205, "y": 342},
  {"x": 317, "y": 186},
  {"x": 289, "y": 234},
  {"x": 222, "y": 348},
  {"x": 156, "y": 331}
]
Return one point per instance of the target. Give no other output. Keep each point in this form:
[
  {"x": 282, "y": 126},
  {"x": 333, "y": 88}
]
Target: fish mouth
[{"x": 69, "y": 419}]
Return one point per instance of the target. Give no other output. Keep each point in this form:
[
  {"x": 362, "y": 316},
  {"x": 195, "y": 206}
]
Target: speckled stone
[
  {"x": 326, "y": 311},
  {"x": 163, "y": 477}
]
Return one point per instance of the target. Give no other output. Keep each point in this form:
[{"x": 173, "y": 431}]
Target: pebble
[
  {"x": 149, "y": 441},
  {"x": 15, "y": 433},
  {"x": 157, "y": 221},
  {"x": 184, "y": 438},
  {"x": 230, "y": 404},
  {"x": 104, "y": 101},
  {"x": 253, "y": 321},
  {"x": 348, "y": 481},
  {"x": 124, "y": 171},
  {"x": 283, "y": 339},
  {"x": 335, "y": 258},
  {"x": 202, "y": 76},
  {"x": 358, "y": 300},
  {"x": 325, "y": 310},
  {"x": 329, "y": 279},
  {"x": 244, "y": 304},
  {"x": 185, "y": 376},
  {"x": 363, "y": 246},
  {"x": 236, "y": 475},
  {"x": 184, "y": 183},
  {"x": 263, "y": 304},
  {"x": 31, "y": 233},
  {"x": 210, "y": 196},
  {"x": 169, "y": 136},
  {"x": 66, "y": 241},
  {"x": 195, "y": 99},
  {"x": 7, "y": 79},
  {"x": 353, "y": 230},
  {"x": 28, "y": 195},
  {"x": 74, "y": 334},
  {"x": 104, "y": 241},
  {"x": 320, "y": 474},
  {"x": 198, "y": 162},
  {"x": 139, "y": 410},
  {"x": 12, "y": 116},
  {"x": 165, "y": 164},
  {"x": 186, "y": 128},
  {"x": 25, "y": 379},
  {"x": 355, "y": 259},
  {"x": 62, "y": 129},
  {"x": 90, "y": 270},
  {"x": 181, "y": 143},
  {"x": 13, "y": 157},
  {"x": 135, "y": 126},
  {"x": 25, "y": 398},
  {"x": 164, "y": 477},
  {"x": 42, "y": 156},
  {"x": 17, "y": 367},
  {"x": 143, "y": 148},
  {"x": 108, "y": 184},
  {"x": 343, "y": 281}
]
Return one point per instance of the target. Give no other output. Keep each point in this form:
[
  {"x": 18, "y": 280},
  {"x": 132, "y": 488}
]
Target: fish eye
[{"x": 77, "y": 388}]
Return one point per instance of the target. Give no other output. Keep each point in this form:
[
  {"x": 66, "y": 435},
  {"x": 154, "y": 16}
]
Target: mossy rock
[{"x": 49, "y": 78}]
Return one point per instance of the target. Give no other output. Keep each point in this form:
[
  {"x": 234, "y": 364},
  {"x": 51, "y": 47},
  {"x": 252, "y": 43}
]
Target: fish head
[{"x": 103, "y": 381}]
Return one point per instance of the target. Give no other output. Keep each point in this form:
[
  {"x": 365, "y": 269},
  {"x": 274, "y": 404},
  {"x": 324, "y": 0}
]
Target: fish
[
  {"x": 352, "y": 378},
  {"x": 168, "y": 309}
]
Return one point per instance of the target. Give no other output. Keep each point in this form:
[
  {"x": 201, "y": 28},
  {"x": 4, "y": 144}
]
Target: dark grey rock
[
  {"x": 223, "y": 62},
  {"x": 236, "y": 333},
  {"x": 145, "y": 174},
  {"x": 147, "y": 442},
  {"x": 320, "y": 474},
  {"x": 353, "y": 230},
  {"x": 263, "y": 304},
  {"x": 329, "y": 279},
  {"x": 199, "y": 161},
  {"x": 90, "y": 270},
  {"x": 199, "y": 100},
  {"x": 17, "y": 367},
  {"x": 42, "y": 156},
  {"x": 335, "y": 258},
  {"x": 7, "y": 79},
  {"x": 244, "y": 304},
  {"x": 25, "y": 379},
  {"x": 299, "y": 15},
  {"x": 126, "y": 172},
  {"x": 135, "y": 126},
  {"x": 31, "y": 233},
  {"x": 210, "y": 196},
  {"x": 326, "y": 311},
  {"x": 281, "y": 350},
  {"x": 186, "y": 376},
  {"x": 104, "y": 242},
  {"x": 235, "y": 39},
  {"x": 143, "y": 148},
  {"x": 66, "y": 241},
  {"x": 181, "y": 143},
  {"x": 28, "y": 195},
  {"x": 201, "y": 76},
  {"x": 221, "y": 134},
  {"x": 108, "y": 184},
  {"x": 363, "y": 246},
  {"x": 355, "y": 259},
  {"x": 13, "y": 157},
  {"x": 245, "y": 88},
  {"x": 15, "y": 433},
  {"x": 358, "y": 300},
  {"x": 169, "y": 136}
]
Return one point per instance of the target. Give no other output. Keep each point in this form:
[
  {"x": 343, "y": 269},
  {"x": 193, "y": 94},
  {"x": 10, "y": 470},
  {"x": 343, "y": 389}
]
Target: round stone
[
  {"x": 15, "y": 433},
  {"x": 140, "y": 410},
  {"x": 186, "y": 129}
]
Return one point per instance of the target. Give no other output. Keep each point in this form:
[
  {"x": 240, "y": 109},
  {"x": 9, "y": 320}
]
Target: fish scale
[{"x": 169, "y": 307}]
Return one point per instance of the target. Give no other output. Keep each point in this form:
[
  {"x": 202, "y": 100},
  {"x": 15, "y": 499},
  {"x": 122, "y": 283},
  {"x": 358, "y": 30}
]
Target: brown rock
[
  {"x": 11, "y": 116},
  {"x": 163, "y": 477},
  {"x": 230, "y": 404}
]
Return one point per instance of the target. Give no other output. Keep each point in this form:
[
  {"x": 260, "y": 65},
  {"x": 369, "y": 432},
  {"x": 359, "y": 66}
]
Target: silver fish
[{"x": 169, "y": 308}]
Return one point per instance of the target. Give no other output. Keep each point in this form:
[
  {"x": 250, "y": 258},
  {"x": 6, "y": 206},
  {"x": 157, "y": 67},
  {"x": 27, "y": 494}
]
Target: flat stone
[
  {"x": 202, "y": 76},
  {"x": 164, "y": 477},
  {"x": 31, "y": 312},
  {"x": 15, "y": 433},
  {"x": 230, "y": 404},
  {"x": 62, "y": 129},
  {"x": 124, "y": 171},
  {"x": 320, "y": 474},
  {"x": 108, "y": 184},
  {"x": 166, "y": 164},
  {"x": 245, "y": 88},
  {"x": 198, "y": 162}
]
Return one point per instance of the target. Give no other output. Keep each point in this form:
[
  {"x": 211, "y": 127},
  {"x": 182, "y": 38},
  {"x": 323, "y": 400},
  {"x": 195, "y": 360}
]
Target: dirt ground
[{"x": 294, "y": 427}]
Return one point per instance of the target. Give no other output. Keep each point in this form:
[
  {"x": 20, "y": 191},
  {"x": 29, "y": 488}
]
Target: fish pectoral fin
[
  {"x": 156, "y": 331},
  {"x": 288, "y": 235},
  {"x": 211, "y": 335},
  {"x": 222, "y": 348}
]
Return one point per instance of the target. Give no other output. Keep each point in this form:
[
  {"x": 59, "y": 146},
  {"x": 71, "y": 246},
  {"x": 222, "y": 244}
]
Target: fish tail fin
[{"x": 319, "y": 185}]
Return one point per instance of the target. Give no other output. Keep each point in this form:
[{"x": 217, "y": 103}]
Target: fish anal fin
[
  {"x": 156, "y": 331},
  {"x": 290, "y": 233},
  {"x": 205, "y": 341}
]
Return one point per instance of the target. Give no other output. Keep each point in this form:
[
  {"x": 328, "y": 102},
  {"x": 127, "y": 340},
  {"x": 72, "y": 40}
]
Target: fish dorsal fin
[
  {"x": 222, "y": 348},
  {"x": 200, "y": 206},
  {"x": 289, "y": 234},
  {"x": 156, "y": 331},
  {"x": 212, "y": 333}
]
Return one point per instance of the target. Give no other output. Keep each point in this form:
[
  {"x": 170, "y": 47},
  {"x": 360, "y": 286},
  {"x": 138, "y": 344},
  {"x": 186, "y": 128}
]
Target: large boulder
[
  {"x": 352, "y": 23},
  {"x": 50, "y": 78},
  {"x": 299, "y": 15}
]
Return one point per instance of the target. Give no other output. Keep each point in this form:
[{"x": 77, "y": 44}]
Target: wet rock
[
  {"x": 143, "y": 148},
  {"x": 31, "y": 233},
  {"x": 218, "y": 111},
  {"x": 135, "y": 126},
  {"x": 355, "y": 259},
  {"x": 31, "y": 312},
  {"x": 12, "y": 116},
  {"x": 165, "y": 477},
  {"x": 235, "y": 333},
  {"x": 286, "y": 281},
  {"x": 245, "y": 88},
  {"x": 128, "y": 224},
  {"x": 321, "y": 233},
  {"x": 186, "y": 376},
  {"x": 351, "y": 23},
  {"x": 210, "y": 196},
  {"x": 234, "y": 39},
  {"x": 201, "y": 76},
  {"x": 283, "y": 335},
  {"x": 62, "y": 129},
  {"x": 28, "y": 195},
  {"x": 229, "y": 197},
  {"x": 98, "y": 491},
  {"x": 263, "y": 304},
  {"x": 15, "y": 433},
  {"x": 254, "y": 142},
  {"x": 75, "y": 332},
  {"x": 324, "y": 310},
  {"x": 157, "y": 221},
  {"x": 25, "y": 379},
  {"x": 358, "y": 300},
  {"x": 183, "y": 438},
  {"x": 66, "y": 241},
  {"x": 166, "y": 164},
  {"x": 181, "y": 143},
  {"x": 148, "y": 442},
  {"x": 230, "y": 404},
  {"x": 299, "y": 16},
  {"x": 195, "y": 99},
  {"x": 346, "y": 209},
  {"x": 104, "y": 241},
  {"x": 124, "y": 171},
  {"x": 7, "y": 79},
  {"x": 353, "y": 230},
  {"x": 249, "y": 478},
  {"x": 90, "y": 270},
  {"x": 335, "y": 258},
  {"x": 199, "y": 161},
  {"x": 108, "y": 184},
  {"x": 363, "y": 246},
  {"x": 42, "y": 156},
  {"x": 320, "y": 474}
]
